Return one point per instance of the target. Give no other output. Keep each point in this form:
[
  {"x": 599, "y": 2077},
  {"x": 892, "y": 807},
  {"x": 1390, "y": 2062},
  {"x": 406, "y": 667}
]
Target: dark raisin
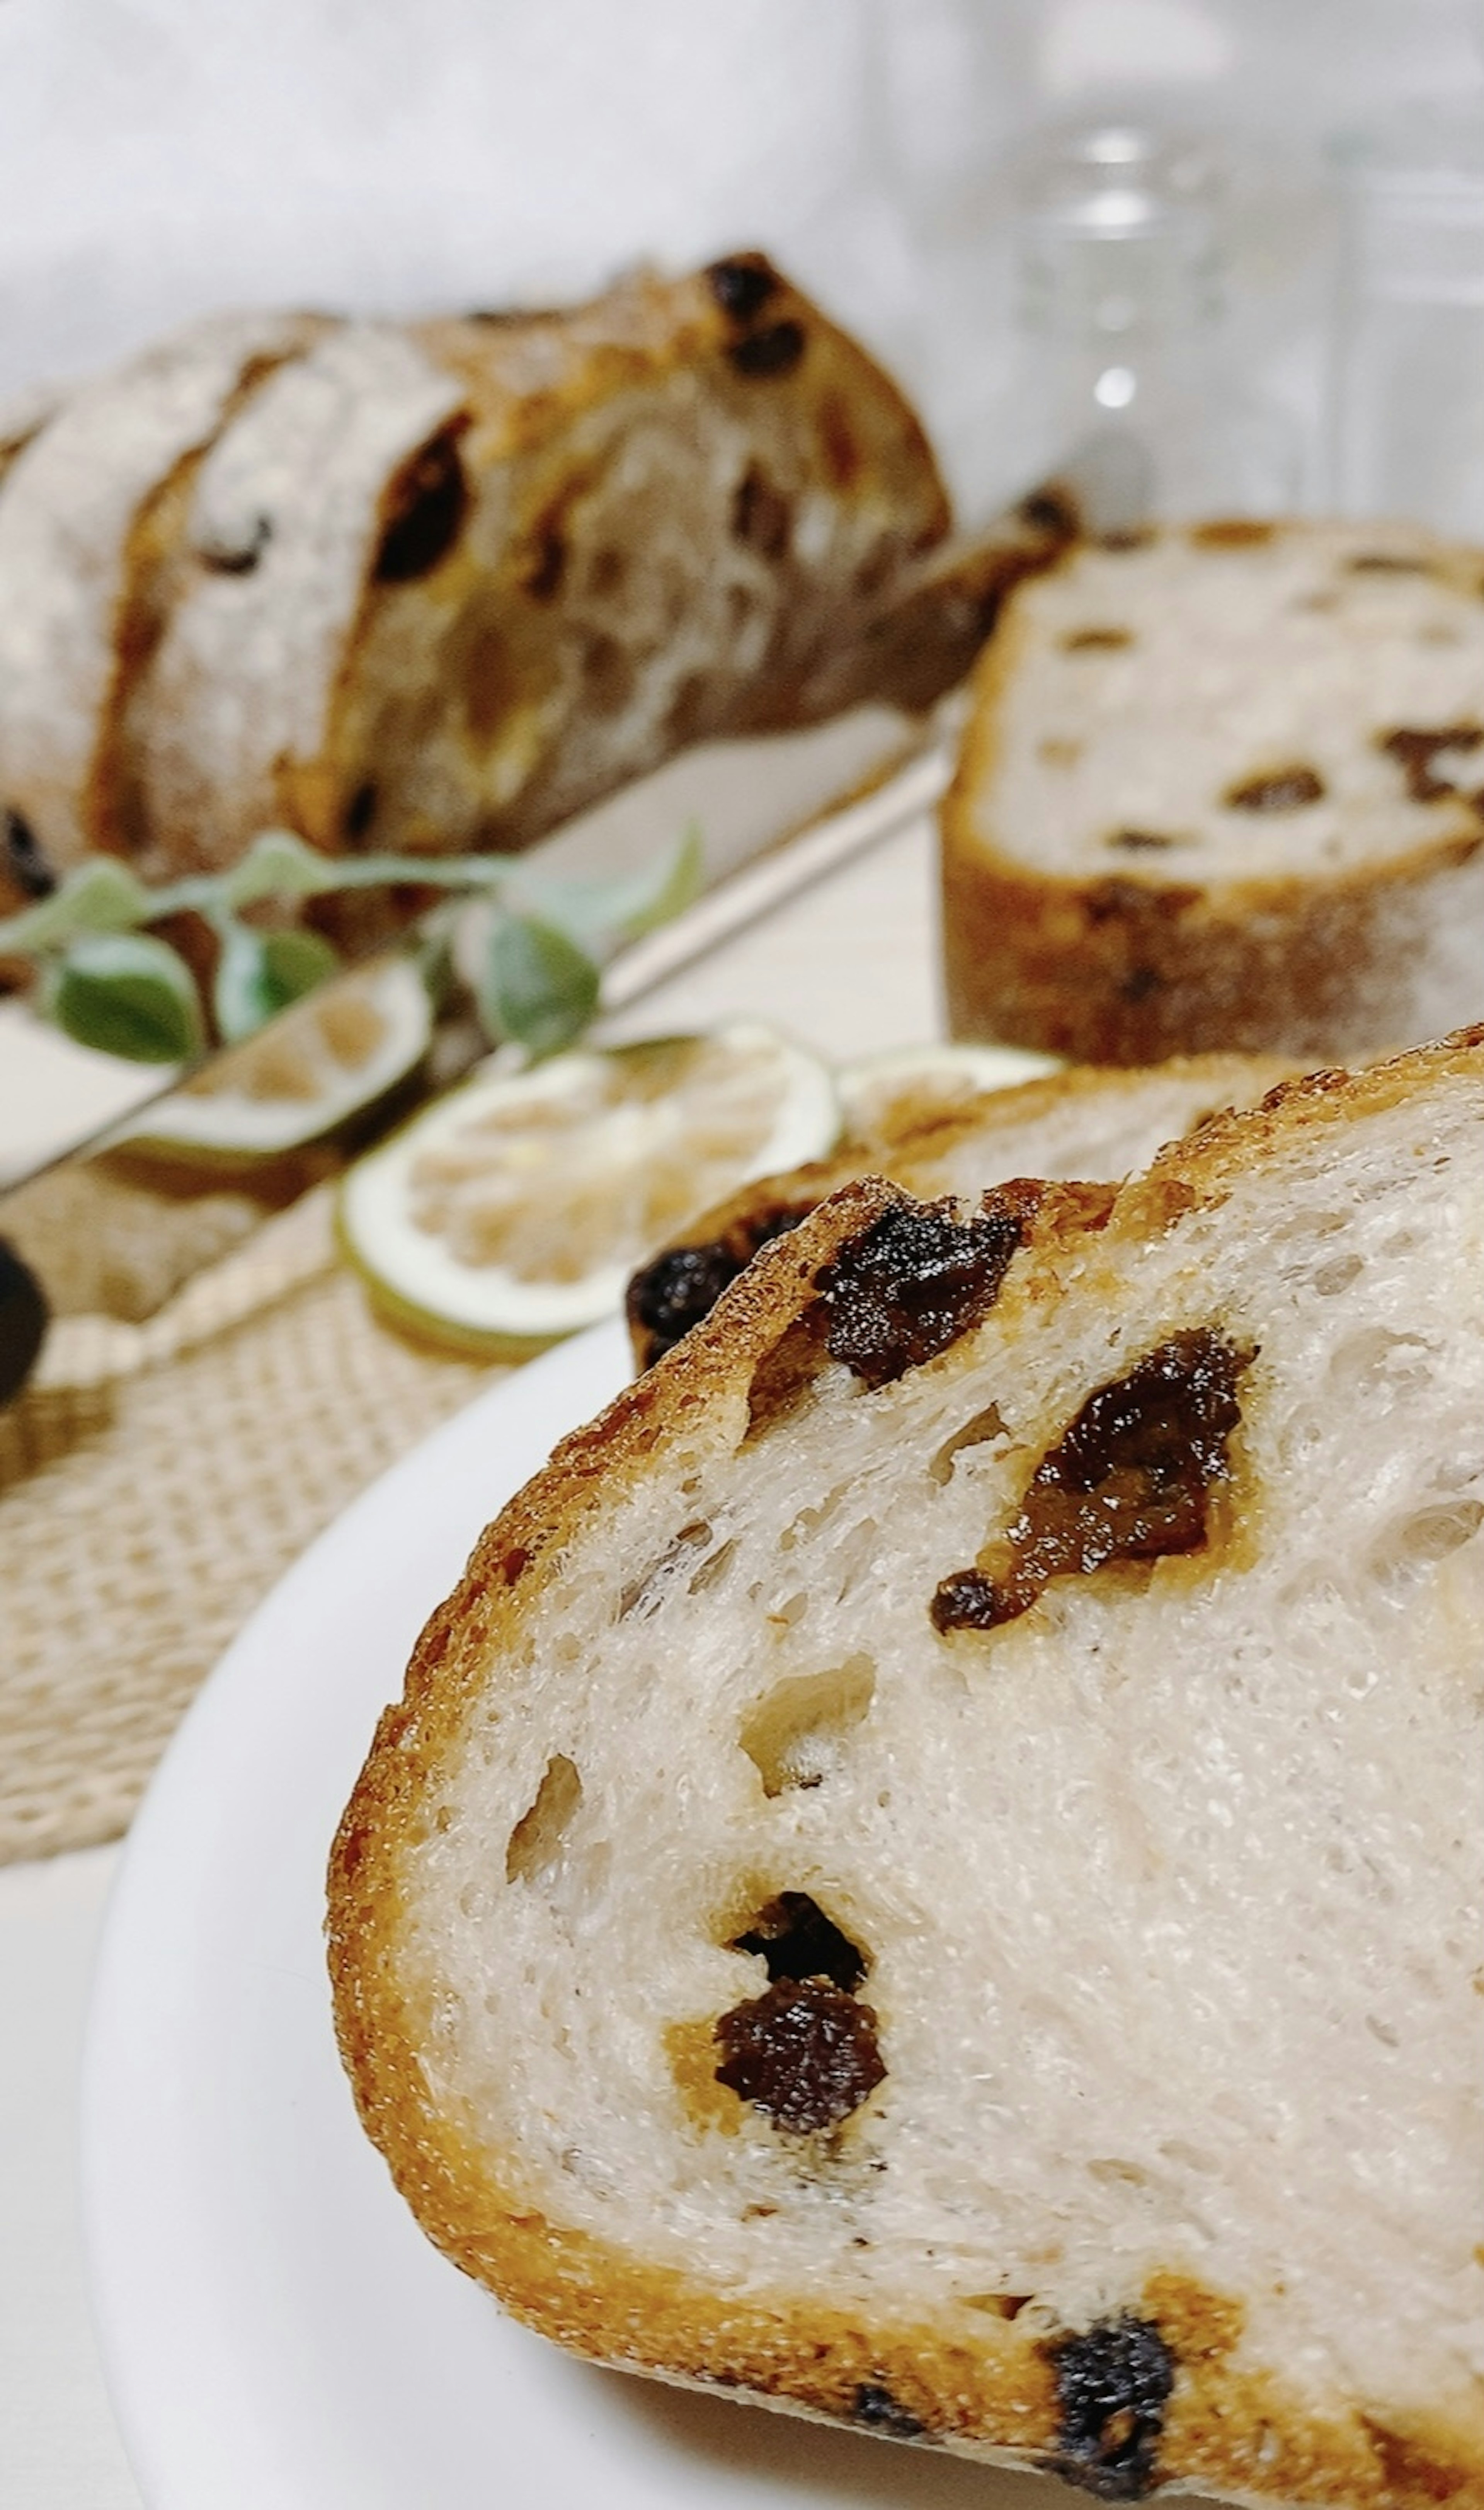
[
  {"x": 913, "y": 1281},
  {"x": 1113, "y": 2385},
  {"x": 668, "y": 1296},
  {"x": 360, "y": 812},
  {"x": 743, "y": 285},
  {"x": 1139, "y": 984},
  {"x": 968, "y": 1601},
  {"x": 1387, "y": 563},
  {"x": 762, "y": 518},
  {"x": 1288, "y": 788},
  {"x": 429, "y": 503},
  {"x": 24, "y": 860},
  {"x": 23, "y": 1318},
  {"x": 1129, "y": 1479},
  {"x": 877, "y": 2410},
  {"x": 1417, "y": 752},
  {"x": 1046, "y": 511},
  {"x": 776, "y": 351},
  {"x": 804, "y": 2054},
  {"x": 241, "y": 557},
  {"x": 797, "y": 1941}
]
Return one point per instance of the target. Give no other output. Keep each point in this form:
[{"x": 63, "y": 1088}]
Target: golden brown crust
[
  {"x": 1230, "y": 2428},
  {"x": 1128, "y": 967}
]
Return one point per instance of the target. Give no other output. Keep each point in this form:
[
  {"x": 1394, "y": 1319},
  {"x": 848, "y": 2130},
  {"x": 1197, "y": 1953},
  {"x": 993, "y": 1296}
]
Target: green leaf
[
  {"x": 279, "y": 864},
  {"x": 126, "y": 994},
  {"x": 599, "y": 914},
  {"x": 539, "y": 989},
  {"x": 99, "y": 895},
  {"x": 260, "y": 973}
]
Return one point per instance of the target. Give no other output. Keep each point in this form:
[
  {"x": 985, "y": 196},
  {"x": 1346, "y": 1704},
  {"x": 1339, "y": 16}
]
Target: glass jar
[
  {"x": 1405, "y": 393},
  {"x": 1124, "y": 379}
]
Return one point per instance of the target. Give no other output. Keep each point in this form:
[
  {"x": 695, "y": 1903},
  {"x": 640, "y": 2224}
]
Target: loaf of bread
[
  {"x": 1082, "y": 1122},
  {"x": 1221, "y": 787},
  {"x": 930, "y": 1873},
  {"x": 435, "y": 586}
]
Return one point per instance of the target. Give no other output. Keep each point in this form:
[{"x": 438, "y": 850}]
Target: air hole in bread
[
  {"x": 1421, "y": 1539},
  {"x": 975, "y": 1433},
  {"x": 797, "y": 1941},
  {"x": 642, "y": 1594},
  {"x": 996, "y": 2304},
  {"x": 1144, "y": 841},
  {"x": 784, "y": 1374},
  {"x": 1129, "y": 1479},
  {"x": 1376, "y": 1361},
  {"x": 762, "y": 517},
  {"x": 1233, "y": 532},
  {"x": 714, "y": 1566},
  {"x": 535, "y": 1843},
  {"x": 1095, "y": 640},
  {"x": 1055, "y": 750},
  {"x": 796, "y": 1736},
  {"x": 1337, "y": 1275}
]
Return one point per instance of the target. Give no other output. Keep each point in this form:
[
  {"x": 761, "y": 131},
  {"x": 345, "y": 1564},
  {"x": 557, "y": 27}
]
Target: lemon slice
[
  {"x": 513, "y": 1210},
  {"x": 331, "y": 1056},
  {"x": 885, "y": 1094}
]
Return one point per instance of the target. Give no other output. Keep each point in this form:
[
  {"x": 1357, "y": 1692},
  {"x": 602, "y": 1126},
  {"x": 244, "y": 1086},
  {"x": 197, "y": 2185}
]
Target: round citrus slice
[
  {"x": 327, "y": 1059},
  {"x": 513, "y": 1210},
  {"x": 885, "y": 1094}
]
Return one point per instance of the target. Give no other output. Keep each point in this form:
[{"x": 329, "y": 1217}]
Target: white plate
[{"x": 278, "y": 2334}]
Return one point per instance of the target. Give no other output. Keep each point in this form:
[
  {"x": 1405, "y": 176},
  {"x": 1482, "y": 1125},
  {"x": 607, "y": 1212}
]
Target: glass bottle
[
  {"x": 1124, "y": 379},
  {"x": 1405, "y": 393}
]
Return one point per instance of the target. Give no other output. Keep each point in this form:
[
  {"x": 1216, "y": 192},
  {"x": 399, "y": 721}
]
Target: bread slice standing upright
[
  {"x": 930, "y": 1871},
  {"x": 1221, "y": 788},
  {"x": 84, "y": 516}
]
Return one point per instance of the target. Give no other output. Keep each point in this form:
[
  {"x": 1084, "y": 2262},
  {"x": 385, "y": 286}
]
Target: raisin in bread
[
  {"x": 930, "y": 1872},
  {"x": 1085, "y": 1121},
  {"x": 1220, "y": 788}
]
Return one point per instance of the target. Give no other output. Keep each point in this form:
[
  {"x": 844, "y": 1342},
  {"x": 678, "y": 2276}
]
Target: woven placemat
[{"x": 156, "y": 1480}]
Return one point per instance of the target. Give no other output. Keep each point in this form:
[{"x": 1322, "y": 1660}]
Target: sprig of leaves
[{"x": 114, "y": 985}]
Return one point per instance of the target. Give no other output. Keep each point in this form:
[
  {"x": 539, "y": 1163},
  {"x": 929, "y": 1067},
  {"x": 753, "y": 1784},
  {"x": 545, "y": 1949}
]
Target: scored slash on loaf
[{"x": 930, "y": 1873}]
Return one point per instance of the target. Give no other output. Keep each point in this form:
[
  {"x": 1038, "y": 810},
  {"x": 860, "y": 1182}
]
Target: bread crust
[
  {"x": 1229, "y": 2429},
  {"x": 80, "y": 522},
  {"x": 1132, "y": 966}
]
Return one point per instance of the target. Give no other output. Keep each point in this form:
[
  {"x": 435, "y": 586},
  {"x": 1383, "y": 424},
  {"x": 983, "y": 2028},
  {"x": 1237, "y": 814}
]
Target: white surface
[
  {"x": 59, "y": 2447},
  {"x": 280, "y": 2335}
]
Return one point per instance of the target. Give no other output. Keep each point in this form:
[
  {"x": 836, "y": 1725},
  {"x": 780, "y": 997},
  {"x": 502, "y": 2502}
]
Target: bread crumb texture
[
  {"x": 1225, "y": 790},
  {"x": 1055, "y": 2036}
]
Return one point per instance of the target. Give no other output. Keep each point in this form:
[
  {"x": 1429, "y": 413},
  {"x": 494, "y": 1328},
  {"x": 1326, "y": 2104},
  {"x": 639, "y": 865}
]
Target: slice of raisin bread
[
  {"x": 84, "y": 515},
  {"x": 930, "y": 1871},
  {"x": 1085, "y": 1122},
  {"x": 441, "y": 588},
  {"x": 1220, "y": 787}
]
